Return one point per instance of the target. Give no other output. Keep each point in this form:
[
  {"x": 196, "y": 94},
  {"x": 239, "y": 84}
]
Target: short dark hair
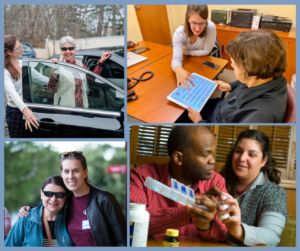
[
  {"x": 270, "y": 166},
  {"x": 56, "y": 180},
  {"x": 81, "y": 158},
  {"x": 179, "y": 138},
  {"x": 260, "y": 52},
  {"x": 202, "y": 11}
]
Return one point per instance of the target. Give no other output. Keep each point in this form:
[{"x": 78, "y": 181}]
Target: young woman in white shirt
[
  {"x": 15, "y": 108},
  {"x": 197, "y": 36}
]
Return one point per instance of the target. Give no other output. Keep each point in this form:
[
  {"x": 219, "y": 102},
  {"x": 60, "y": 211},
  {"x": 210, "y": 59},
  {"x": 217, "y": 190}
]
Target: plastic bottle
[
  {"x": 171, "y": 238},
  {"x": 223, "y": 216},
  {"x": 139, "y": 224}
]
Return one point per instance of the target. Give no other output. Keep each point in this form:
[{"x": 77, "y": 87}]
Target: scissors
[{"x": 130, "y": 86}]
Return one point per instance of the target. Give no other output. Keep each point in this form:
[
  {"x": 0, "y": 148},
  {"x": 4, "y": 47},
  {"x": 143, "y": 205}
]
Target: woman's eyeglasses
[
  {"x": 67, "y": 48},
  {"x": 198, "y": 24},
  {"x": 57, "y": 195},
  {"x": 66, "y": 154},
  {"x": 19, "y": 48}
]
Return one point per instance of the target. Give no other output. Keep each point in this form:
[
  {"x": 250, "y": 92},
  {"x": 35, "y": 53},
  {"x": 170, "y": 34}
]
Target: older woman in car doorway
[{"x": 74, "y": 92}]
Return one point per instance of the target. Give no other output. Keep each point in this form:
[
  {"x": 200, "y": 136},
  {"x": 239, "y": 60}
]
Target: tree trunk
[{"x": 100, "y": 24}]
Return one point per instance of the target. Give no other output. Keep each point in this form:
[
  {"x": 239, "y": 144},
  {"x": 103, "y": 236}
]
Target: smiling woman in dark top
[
  {"x": 93, "y": 216},
  {"x": 259, "y": 95}
]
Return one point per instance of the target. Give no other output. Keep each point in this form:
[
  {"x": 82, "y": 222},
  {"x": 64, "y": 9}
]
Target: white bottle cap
[{"x": 223, "y": 216}]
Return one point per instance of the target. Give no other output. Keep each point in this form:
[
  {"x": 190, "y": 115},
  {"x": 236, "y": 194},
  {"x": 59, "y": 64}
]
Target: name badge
[{"x": 85, "y": 224}]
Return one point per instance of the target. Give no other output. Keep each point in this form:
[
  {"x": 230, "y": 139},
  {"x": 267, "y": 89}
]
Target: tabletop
[
  {"x": 185, "y": 241},
  {"x": 153, "y": 105},
  {"x": 156, "y": 52}
]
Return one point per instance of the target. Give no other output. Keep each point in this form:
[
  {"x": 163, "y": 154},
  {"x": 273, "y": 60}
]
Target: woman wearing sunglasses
[
  {"x": 197, "y": 36},
  {"x": 44, "y": 227},
  {"x": 93, "y": 217},
  {"x": 15, "y": 108},
  {"x": 74, "y": 90}
]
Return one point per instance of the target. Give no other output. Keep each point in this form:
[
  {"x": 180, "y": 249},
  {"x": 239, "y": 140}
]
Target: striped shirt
[
  {"x": 46, "y": 243},
  {"x": 166, "y": 213},
  {"x": 51, "y": 225}
]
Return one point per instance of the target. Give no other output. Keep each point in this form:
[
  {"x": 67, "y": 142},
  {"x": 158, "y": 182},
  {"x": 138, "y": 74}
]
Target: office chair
[
  {"x": 216, "y": 51},
  {"x": 290, "y": 115}
]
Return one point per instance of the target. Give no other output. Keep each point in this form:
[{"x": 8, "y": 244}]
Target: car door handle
[{"x": 48, "y": 122}]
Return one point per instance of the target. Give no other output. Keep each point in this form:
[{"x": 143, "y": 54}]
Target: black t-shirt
[{"x": 51, "y": 228}]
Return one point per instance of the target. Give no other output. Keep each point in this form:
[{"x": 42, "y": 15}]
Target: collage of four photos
[{"x": 202, "y": 153}]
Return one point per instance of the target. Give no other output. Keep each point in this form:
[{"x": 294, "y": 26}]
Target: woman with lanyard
[
  {"x": 15, "y": 108},
  {"x": 93, "y": 216},
  {"x": 44, "y": 227}
]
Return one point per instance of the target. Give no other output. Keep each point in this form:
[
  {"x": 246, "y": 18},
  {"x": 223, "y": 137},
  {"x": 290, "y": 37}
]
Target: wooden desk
[
  {"x": 185, "y": 241},
  {"x": 153, "y": 105},
  {"x": 156, "y": 52}
]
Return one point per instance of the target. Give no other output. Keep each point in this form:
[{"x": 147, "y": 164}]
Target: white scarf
[{"x": 77, "y": 62}]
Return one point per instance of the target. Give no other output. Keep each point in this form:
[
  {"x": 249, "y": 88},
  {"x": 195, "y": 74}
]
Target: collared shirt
[
  {"x": 261, "y": 179},
  {"x": 166, "y": 213}
]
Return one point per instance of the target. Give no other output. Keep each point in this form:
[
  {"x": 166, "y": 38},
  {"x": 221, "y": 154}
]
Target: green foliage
[{"x": 28, "y": 164}]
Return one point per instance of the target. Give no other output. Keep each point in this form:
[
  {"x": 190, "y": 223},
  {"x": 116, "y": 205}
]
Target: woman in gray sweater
[{"x": 258, "y": 208}]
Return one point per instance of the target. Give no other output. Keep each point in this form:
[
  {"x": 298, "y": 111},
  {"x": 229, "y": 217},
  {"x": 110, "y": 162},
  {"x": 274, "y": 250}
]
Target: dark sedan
[{"x": 103, "y": 113}]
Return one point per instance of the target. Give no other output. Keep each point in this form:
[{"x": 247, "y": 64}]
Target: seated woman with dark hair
[
  {"x": 258, "y": 207},
  {"x": 45, "y": 225},
  {"x": 259, "y": 59}
]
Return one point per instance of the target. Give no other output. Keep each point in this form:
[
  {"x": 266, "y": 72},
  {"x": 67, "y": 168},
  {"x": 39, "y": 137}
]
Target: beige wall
[
  {"x": 176, "y": 14},
  {"x": 133, "y": 29}
]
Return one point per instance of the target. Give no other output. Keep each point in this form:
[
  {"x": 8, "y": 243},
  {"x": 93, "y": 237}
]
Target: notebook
[
  {"x": 197, "y": 96},
  {"x": 133, "y": 59}
]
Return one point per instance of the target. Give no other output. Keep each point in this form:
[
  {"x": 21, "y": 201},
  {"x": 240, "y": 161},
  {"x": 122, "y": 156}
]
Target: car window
[
  {"x": 60, "y": 85},
  {"x": 111, "y": 71},
  {"x": 77, "y": 57},
  {"x": 26, "y": 48}
]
